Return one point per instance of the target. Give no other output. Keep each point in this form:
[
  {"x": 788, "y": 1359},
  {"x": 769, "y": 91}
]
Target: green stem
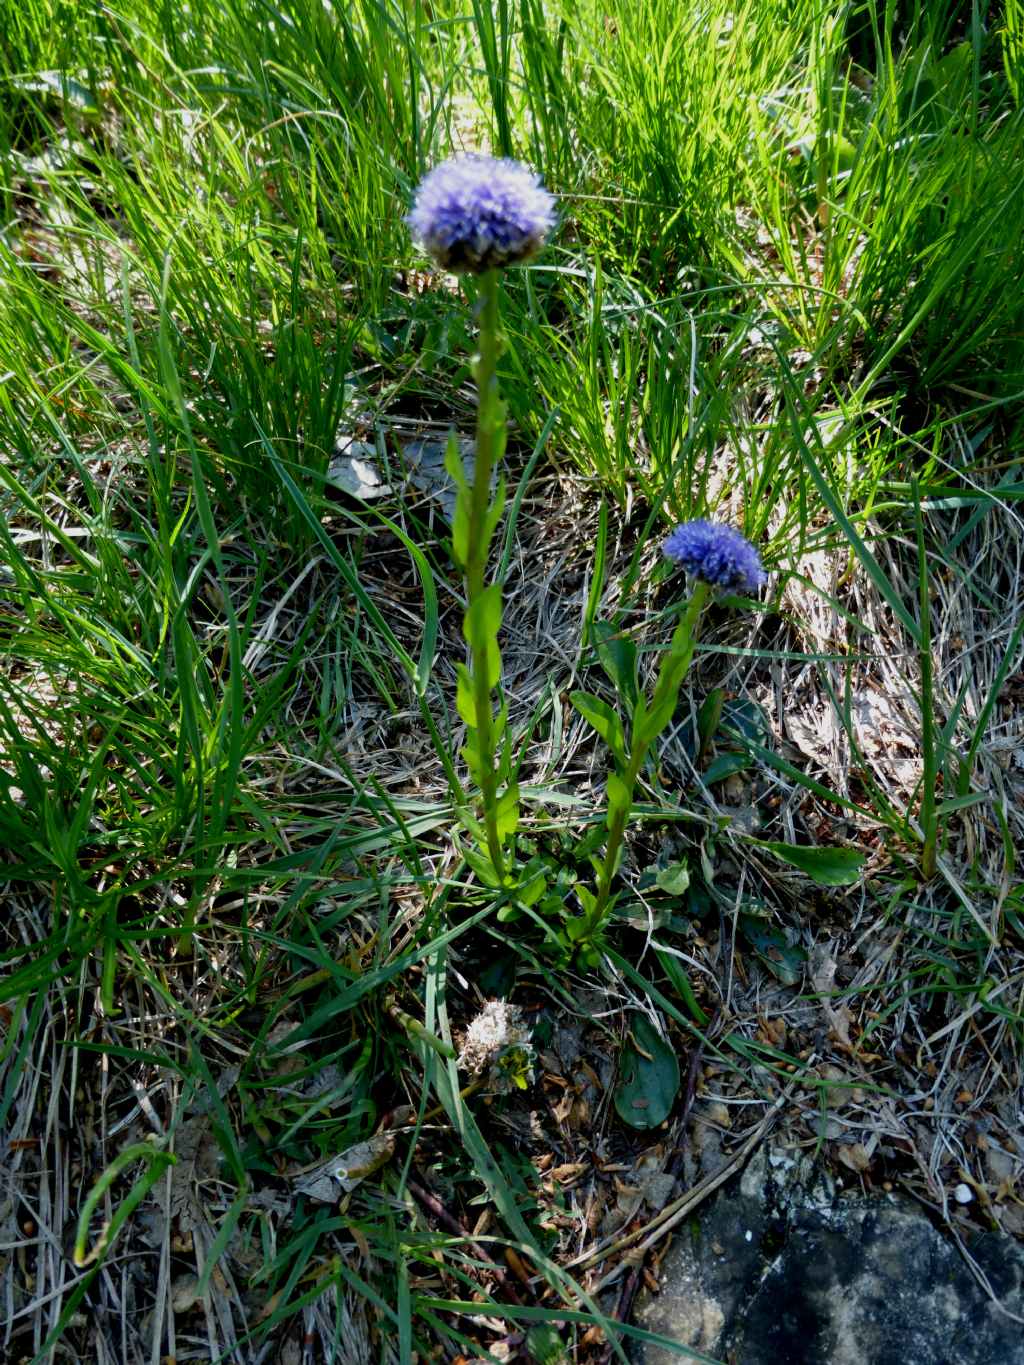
[
  {"x": 648, "y": 724},
  {"x": 616, "y": 833},
  {"x": 488, "y": 416}
]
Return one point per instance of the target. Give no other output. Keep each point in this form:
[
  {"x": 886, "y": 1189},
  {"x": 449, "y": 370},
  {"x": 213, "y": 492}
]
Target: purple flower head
[
  {"x": 717, "y": 553},
  {"x": 476, "y": 212}
]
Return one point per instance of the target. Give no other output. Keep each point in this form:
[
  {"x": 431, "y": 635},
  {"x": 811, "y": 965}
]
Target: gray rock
[{"x": 780, "y": 1269}]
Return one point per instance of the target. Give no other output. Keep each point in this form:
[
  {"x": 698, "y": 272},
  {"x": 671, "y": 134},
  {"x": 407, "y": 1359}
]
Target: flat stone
[{"x": 783, "y": 1269}]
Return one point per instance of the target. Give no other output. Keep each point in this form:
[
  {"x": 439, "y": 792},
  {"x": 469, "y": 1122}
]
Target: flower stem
[
  {"x": 489, "y": 416},
  {"x": 649, "y": 720},
  {"x": 616, "y": 833}
]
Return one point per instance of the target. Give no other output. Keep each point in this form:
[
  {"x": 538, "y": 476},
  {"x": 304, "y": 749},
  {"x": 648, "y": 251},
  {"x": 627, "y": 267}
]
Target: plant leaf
[
  {"x": 617, "y": 656},
  {"x": 506, "y": 812},
  {"x": 826, "y": 866},
  {"x": 465, "y": 703},
  {"x": 674, "y": 879},
  {"x": 648, "y": 1077},
  {"x": 619, "y": 795},
  {"x": 723, "y": 766},
  {"x": 602, "y": 718},
  {"x": 783, "y": 959},
  {"x": 480, "y": 625}
]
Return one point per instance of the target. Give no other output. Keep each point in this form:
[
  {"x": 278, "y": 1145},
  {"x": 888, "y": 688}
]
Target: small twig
[
  {"x": 624, "y": 1308},
  {"x": 680, "y": 1208},
  {"x": 689, "y": 1095},
  {"x": 454, "y": 1225},
  {"x": 984, "y": 1283}
]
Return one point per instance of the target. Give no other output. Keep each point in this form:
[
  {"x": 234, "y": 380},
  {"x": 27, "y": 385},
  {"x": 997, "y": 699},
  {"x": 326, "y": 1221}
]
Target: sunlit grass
[{"x": 786, "y": 290}]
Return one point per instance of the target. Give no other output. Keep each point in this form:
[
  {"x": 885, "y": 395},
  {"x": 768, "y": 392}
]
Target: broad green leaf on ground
[
  {"x": 674, "y": 879},
  {"x": 648, "y": 1076},
  {"x": 723, "y": 766},
  {"x": 783, "y": 959},
  {"x": 826, "y": 866}
]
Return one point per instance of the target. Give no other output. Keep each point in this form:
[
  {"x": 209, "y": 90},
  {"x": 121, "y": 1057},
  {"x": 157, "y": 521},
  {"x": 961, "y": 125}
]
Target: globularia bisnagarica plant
[
  {"x": 475, "y": 215},
  {"x": 715, "y": 556}
]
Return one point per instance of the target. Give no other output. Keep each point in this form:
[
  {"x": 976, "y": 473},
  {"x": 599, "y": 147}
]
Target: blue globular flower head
[
  {"x": 474, "y": 213},
  {"x": 718, "y": 554}
]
